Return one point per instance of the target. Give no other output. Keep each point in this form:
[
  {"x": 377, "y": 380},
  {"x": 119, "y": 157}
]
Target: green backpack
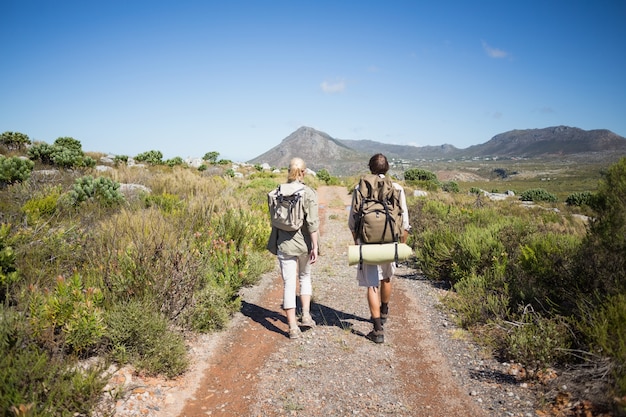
[{"x": 377, "y": 211}]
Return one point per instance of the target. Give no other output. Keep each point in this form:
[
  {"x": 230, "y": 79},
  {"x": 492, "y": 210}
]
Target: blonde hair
[{"x": 297, "y": 169}]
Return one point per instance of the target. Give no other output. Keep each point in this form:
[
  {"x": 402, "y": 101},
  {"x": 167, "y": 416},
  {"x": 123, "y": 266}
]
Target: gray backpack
[{"x": 287, "y": 206}]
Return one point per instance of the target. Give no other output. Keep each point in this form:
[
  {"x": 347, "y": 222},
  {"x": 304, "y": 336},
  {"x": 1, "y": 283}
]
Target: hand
[{"x": 313, "y": 256}]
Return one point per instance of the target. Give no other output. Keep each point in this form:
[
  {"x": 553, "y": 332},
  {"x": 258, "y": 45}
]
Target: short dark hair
[{"x": 378, "y": 164}]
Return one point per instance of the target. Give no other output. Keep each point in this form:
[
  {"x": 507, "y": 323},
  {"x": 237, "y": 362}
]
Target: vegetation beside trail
[
  {"x": 92, "y": 273},
  {"x": 119, "y": 265},
  {"x": 537, "y": 283}
]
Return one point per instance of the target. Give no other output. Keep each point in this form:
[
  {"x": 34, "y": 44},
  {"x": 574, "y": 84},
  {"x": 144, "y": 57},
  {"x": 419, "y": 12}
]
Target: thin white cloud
[
  {"x": 333, "y": 87},
  {"x": 494, "y": 52}
]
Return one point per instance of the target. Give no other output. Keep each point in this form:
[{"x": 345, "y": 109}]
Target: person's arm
[{"x": 314, "y": 249}]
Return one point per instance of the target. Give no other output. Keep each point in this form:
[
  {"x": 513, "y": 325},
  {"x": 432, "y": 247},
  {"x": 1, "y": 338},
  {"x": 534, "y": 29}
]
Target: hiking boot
[
  {"x": 376, "y": 336},
  {"x": 294, "y": 332},
  {"x": 307, "y": 321}
]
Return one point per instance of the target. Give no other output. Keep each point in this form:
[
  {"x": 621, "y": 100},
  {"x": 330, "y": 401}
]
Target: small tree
[{"x": 211, "y": 157}]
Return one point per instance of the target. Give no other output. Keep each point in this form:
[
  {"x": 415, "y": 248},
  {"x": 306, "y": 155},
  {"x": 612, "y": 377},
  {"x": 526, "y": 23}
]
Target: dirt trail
[{"x": 254, "y": 369}]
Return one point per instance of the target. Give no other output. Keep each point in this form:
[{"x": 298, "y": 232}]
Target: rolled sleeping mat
[{"x": 378, "y": 253}]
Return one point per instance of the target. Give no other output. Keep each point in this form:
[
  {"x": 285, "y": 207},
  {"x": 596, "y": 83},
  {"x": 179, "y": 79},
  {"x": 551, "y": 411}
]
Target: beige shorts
[{"x": 371, "y": 275}]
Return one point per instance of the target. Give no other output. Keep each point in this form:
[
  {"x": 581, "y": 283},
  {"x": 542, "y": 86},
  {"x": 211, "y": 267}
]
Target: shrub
[
  {"x": 42, "y": 206},
  {"x": 603, "y": 254},
  {"x": 544, "y": 272},
  {"x": 450, "y": 187},
  {"x": 537, "y": 194},
  {"x": 416, "y": 174},
  {"x": 244, "y": 227},
  {"x": 176, "y": 161},
  {"x": 8, "y": 271},
  {"x": 72, "y": 309},
  {"x": 66, "y": 152},
  {"x": 150, "y": 157},
  {"x": 103, "y": 190},
  {"x": 31, "y": 379},
  {"x": 68, "y": 143},
  {"x": 120, "y": 159},
  {"x": 41, "y": 152},
  {"x": 475, "y": 249},
  {"x": 168, "y": 203},
  {"x": 14, "y": 170},
  {"x": 145, "y": 255},
  {"x": 603, "y": 329},
  {"x": 537, "y": 341},
  {"x": 579, "y": 199},
  {"x": 14, "y": 140},
  {"x": 479, "y": 299},
  {"x": 212, "y": 307},
  {"x": 138, "y": 334}
]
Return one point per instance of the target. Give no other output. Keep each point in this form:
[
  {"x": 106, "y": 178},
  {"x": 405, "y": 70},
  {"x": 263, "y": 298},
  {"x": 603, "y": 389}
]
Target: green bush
[
  {"x": 8, "y": 271},
  {"x": 603, "y": 254},
  {"x": 544, "y": 272},
  {"x": 33, "y": 380},
  {"x": 579, "y": 199},
  {"x": 140, "y": 335},
  {"x": 537, "y": 195},
  {"x": 67, "y": 315},
  {"x": 479, "y": 299},
  {"x": 244, "y": 227},
  {"x": 475, "y": 249},
  {"x": 69, "y": 143},
  {"x": 450, "y": 187},
  {"x": 176, "y": 161},
  {"x": 168, "y": 203},
  {"x": 416, "y": 174},
  {"x": 603, "y": 329},
  {"x": 66, "y": 152},
  {"x": 14, "y": 140},
  {"x": 150, "y": 157},
  {"x": 14, "y": 170},
  {"x": 42, "y": 206},
  {"x": 102, "y": 190},
  {"x": 212, "y": 307},
  {"x": 120, "y": 160},
  {"x": 537, "y": 341},
  {"x": 41, "y": 152}
]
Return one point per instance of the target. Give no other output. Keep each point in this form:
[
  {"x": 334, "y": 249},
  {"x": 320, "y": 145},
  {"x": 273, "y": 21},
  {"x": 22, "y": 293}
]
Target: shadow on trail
[
  {"x": 328, "y": 316},
  {"x": 264, "y": 317},
  {"x": 323, "y": 316}
]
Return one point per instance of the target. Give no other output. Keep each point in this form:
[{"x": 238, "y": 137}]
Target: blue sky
[{"x": 188, "y": 77}]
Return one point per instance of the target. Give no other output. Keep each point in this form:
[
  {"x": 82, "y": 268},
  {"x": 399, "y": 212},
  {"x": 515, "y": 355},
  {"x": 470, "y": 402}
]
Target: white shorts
[{"x": 371, "y": 275}]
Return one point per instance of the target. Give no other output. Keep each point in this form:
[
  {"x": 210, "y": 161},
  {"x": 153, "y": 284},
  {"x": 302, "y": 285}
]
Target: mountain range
[{"x": 347, "y": 157}]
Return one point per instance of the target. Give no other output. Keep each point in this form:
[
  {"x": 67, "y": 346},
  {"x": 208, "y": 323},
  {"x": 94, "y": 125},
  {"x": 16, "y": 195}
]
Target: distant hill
[
  {"x": 318, "y": 149},
  {"x": 551, "y": 141},
  {"x": 348, "y": 157}
]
